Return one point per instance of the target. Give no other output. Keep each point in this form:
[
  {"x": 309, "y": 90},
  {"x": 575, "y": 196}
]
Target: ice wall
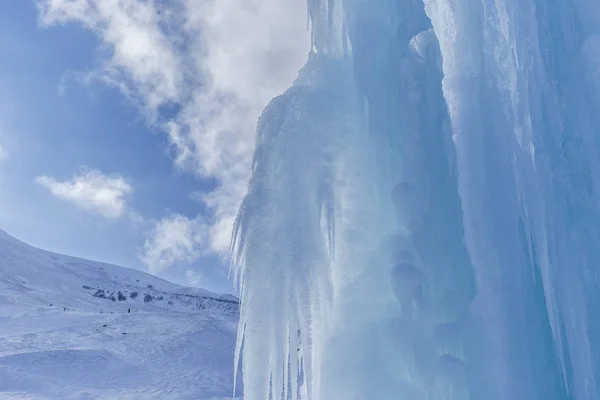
[
  {"x": 422, "y": 221},
  {"x": 521, "y": 99}
]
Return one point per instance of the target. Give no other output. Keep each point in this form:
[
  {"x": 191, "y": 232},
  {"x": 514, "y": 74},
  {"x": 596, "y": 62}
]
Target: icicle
[
  {"x": 237, "y": 357},
  {"x": 453, "y": 248},
  {"x": 285, "y": 232}
]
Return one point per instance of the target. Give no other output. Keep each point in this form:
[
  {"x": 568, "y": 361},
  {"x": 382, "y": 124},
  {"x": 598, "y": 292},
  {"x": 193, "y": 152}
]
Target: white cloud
[
  {"x": 92, "y": 191},
  {"x": 3, "y": 154},
  {"x": 141, "y": 57},
  {"x": 194, "y": 278},
  {"x": 175, "y": 238},
  {"x": 218, "y": 61}
]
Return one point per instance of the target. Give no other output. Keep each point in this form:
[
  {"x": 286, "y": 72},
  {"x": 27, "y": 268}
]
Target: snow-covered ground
[{"x": 66, "y": 332}]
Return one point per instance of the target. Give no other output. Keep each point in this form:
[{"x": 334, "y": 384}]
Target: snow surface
[{"x": 63, "y": 337}]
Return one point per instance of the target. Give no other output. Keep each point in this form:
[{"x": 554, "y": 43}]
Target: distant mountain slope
[
  {"x": 77, "y": 329},
  {"x": 29, "y": 276}
]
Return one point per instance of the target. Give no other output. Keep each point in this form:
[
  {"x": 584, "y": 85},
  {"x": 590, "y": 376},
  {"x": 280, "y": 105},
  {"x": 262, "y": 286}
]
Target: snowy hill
[{"x": 66, "y": 331}]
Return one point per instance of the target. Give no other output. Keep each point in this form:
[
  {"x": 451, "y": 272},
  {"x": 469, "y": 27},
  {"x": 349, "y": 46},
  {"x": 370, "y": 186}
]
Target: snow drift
[{"x": 77, "y": 329}]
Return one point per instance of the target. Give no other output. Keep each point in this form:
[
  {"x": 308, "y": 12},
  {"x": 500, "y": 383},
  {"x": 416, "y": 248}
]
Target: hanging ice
[{"x": 423, "y": 217}]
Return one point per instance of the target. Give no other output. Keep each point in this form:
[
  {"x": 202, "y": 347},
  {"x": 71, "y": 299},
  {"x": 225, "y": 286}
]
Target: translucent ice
[{"x": 423, "y": 220}]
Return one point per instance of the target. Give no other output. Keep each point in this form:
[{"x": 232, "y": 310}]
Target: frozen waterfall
[{"x": 423, "y": 218}]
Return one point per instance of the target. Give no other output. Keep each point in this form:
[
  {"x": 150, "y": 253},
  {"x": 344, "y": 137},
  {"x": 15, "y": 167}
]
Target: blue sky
[{"x": 126, "y": 135}]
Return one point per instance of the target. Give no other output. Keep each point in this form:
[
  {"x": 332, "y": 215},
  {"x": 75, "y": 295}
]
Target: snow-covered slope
[{"x": 78, "y": 329}]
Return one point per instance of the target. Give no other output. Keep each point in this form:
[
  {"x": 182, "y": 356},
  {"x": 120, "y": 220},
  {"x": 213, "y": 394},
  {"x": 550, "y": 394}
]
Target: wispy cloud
[
  {"x": 217, "y": 62},
  {"x": 92, "y": 191},
  {"x": 174, "y": 239},
  {"x": 3, "y": 154},
  {"x": 194, "y": 278},
  {"x": 141, "y": 58}
]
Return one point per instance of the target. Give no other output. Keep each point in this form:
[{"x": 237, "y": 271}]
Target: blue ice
[{"x": 423, "y": 217}]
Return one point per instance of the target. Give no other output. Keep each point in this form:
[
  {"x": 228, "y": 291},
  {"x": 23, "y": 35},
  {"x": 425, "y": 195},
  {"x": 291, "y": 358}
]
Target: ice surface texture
[{"x": 422, "y": 221}]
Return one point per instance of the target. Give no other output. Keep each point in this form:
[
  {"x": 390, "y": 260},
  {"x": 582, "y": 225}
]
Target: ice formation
[{"x": 423, "y": 216}]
